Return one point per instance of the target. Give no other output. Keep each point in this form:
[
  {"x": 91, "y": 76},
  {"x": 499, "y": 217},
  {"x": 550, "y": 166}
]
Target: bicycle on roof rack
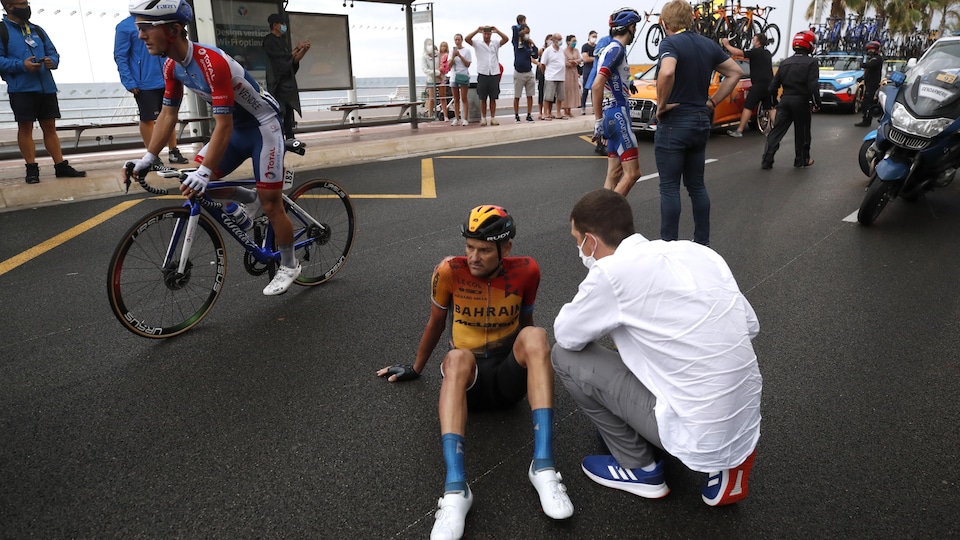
[{"x": 168, "y": 269}]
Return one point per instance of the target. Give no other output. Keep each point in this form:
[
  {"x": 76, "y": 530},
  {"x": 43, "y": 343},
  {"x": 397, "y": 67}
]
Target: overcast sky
[{"x": 83, "y": 30}]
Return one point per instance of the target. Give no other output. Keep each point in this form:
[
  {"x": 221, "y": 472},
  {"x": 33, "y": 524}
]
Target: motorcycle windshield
[{"x": 932, "y": 87}]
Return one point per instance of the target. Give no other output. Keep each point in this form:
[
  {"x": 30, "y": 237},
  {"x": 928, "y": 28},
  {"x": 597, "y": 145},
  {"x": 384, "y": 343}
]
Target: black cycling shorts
[
  {"x": 500, "y": 384},
  {"x": 32, "y": 106},
  {"x": 758, "y": 94},
  {"x": 149, "y": 102}
]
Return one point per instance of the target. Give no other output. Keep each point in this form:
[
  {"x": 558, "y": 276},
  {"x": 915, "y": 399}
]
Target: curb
[{"x": 104, "y": 180}]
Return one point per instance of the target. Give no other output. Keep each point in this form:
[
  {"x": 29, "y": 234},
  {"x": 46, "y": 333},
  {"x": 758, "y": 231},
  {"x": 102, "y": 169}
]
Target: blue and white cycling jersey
[
  {"x": 220, "y": 81},
  {"x": 614, "y": 66}
]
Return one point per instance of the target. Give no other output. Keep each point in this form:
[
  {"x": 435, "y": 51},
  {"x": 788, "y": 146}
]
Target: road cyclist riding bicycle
[{"x": 247, "y": 122}]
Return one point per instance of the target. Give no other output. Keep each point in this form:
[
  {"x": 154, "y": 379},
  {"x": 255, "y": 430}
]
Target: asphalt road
[{"x": 267, "y": 419}]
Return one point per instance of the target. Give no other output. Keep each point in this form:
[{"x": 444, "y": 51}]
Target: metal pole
[
  {"x": 411, "y": 67},
  {"x": 789, "y": 34}
]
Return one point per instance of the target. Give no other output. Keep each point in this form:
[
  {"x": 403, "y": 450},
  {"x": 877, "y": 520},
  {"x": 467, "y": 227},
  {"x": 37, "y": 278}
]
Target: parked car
[
  {"x": 890, "y": 65},
  {"x": 838, "y": 80},
  {"x": 643, "y": 102}
]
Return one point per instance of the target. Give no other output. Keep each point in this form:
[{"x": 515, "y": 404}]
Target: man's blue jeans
[{"x": 680, "y": 145}]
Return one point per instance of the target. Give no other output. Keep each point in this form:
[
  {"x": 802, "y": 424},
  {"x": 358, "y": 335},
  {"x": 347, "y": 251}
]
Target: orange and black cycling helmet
[{"x": 490, "y": 223}]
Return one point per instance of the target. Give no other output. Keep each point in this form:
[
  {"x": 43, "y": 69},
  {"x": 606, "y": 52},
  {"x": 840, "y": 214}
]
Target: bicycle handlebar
[{"x": 181, "y": 176}]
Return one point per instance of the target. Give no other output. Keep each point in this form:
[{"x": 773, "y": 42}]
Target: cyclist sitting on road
[
  {"x": 497, "y": 357},
  {"x": 247, "y": 122}
]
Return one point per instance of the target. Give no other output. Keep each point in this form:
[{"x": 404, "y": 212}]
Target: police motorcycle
[{"x": 917, "y": 146}]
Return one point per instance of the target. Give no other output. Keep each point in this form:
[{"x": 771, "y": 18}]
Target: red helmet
[
  {"x": 804, "y": 40},
  {"x": 872, "y": 46}
]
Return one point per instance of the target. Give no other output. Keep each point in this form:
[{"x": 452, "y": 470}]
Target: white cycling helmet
[{"x": 163, "y": 10}]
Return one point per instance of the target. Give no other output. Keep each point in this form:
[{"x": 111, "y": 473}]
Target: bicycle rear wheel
[
  {"x": 654, "y": 36},
  {"x": 327, "y": 203},
  {"x": 772, "y": 32},
  {"x": 148, "y": 296},
  {"x": 763, "y": 119}
]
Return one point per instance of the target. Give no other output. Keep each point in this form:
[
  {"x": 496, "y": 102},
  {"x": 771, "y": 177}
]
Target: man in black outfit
[
  {"x": 798, "y": 75},
  {"x": 282, "y": 69},
  {"x": 761, "y": 74},
  {"x": 872, "y": 72}
]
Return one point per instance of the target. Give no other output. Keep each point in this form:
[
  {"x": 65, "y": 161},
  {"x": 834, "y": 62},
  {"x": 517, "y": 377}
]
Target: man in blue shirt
[
  {"x": 26, "y": 62},
  {"x": 524, "y": 58},
  {"x": 141, "y": 75},
  {"x": 684, "y": 112}
]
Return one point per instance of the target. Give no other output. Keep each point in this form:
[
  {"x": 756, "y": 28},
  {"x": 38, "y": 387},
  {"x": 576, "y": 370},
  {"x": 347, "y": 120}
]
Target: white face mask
[{"x": 586, "y": 260}]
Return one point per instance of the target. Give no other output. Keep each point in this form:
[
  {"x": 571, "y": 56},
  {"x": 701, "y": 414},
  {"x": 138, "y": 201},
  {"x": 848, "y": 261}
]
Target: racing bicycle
[{"x": 168, "y": 269}]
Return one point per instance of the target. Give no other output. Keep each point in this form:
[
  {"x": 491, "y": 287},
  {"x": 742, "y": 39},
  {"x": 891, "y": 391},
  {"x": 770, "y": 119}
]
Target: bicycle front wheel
[
  {"x": 325, "y": 219},
  {"x": 147, "y": 293}
]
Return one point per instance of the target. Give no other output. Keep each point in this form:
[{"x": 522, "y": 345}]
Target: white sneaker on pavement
[
  {"x": 451, "y": 514},
  {"x": 553, "y": 494},
  {"x": 483, "y": 122},
  {"x": 282, "y": 280},
  {"x": 454, "y": 122},
  {"x": 464, "y": 122}
]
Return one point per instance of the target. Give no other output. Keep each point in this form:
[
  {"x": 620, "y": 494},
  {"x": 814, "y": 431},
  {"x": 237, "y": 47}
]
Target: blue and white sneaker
[
  {"x": 605, "y": 471},
  {"x": 729, "y": 486}
]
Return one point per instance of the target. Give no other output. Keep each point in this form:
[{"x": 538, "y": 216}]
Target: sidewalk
[{"x": 324, "y": 149}]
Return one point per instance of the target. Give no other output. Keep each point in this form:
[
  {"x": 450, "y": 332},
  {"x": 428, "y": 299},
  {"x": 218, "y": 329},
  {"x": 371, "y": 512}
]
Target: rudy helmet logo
[{"x": 242, "y": 11}]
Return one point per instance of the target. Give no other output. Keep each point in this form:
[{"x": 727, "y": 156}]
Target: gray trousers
[{"x": 614, "y": 399}]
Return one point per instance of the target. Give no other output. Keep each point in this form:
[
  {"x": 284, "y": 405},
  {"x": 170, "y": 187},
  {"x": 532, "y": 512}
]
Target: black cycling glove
[{"x": 404, "y": 372}]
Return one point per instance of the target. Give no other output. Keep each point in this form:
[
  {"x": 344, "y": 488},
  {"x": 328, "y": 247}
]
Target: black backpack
[{"x": 5, "y": 38}]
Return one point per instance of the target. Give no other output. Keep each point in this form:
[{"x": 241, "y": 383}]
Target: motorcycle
[{"x": 917, "y": 146}]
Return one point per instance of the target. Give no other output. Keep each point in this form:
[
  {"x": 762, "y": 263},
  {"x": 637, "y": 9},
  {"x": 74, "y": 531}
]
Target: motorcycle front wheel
[
  {"x": 862, "y": 157},
  {"x": 879, "y": 193}
]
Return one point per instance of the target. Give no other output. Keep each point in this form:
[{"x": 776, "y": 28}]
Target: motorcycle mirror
[{"x": 911, "y": 62}]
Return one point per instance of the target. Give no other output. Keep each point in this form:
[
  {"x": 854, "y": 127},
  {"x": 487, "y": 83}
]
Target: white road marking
[
  {"x": 852, "y": 218},
  {"x": 656, "y": 175}
]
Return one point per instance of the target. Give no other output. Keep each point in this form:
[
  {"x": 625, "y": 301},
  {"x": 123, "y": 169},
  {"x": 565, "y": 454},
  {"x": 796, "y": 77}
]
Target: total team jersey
[
  {"x": 614, "y": 66},
  {"x": 485, "y": 312},
  {"x": 220, "y": 81}
]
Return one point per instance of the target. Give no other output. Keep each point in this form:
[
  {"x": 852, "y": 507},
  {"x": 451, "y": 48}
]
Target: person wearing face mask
[
  {"x": 282, "y": 66},
  {"x": 27, "y": 60},
  {"x": 573, "y": 63},
  {"x": 497, "y": 356},
  {"x": 683, "y": 333}
]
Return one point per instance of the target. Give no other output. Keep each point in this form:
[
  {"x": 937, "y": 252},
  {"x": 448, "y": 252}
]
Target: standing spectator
[
  {"x": 488, "y": 69},
  {"x": 141, "y": 75},
  {"x": 27, "y": 60},
  {"x": 524, "y": 60},
  {"x": 460, "y": 83},
  {"x": 684, "y": 378},
  {"x": 282, "y": 67},
  {"x": 554, "y": 74},
  {"x": 872, "y": 73},
  {"x": 430, "y": 65},
  {"x": 798, "y": 75},
  {"x": 541, "y": 79},
  {"x": 573, "y": 64},
  {"x": 761, "y": 75},
  {"x": 497, "y": 357},
  {"x": 612, "y": 120},
  {"x": 684, "y": 108},
  {"x": 588, "y": 57},
  {"x": 444, "y": 80}
]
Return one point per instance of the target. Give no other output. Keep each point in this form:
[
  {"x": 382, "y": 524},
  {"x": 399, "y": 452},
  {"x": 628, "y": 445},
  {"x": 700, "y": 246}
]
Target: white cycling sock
[{"x": 287, "y": 258}]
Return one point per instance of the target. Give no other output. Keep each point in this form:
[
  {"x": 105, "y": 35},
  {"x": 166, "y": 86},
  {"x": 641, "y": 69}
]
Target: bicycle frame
[{"x": 260, "y": 253}]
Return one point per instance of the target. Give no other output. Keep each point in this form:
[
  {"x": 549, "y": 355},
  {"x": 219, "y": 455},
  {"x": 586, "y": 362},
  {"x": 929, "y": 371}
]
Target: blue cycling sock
[
  {"x": 453, "y": 456},
  {"x": 542, "y": 439}
]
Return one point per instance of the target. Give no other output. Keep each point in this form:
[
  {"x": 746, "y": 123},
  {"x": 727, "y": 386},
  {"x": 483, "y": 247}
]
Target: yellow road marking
[{"x": 63, "y": 237}]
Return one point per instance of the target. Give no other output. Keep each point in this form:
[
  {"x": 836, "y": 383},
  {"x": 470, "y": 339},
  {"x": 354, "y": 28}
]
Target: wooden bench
[
  {"x": 349, "y": 108},
  {"x": 78, "y": 129}
]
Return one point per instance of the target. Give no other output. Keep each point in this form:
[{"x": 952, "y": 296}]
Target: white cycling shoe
[
  {"x": 553, "y": 494},
  {"x": 451, "y": 515},
  {"x": 282, "y": 280}
]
